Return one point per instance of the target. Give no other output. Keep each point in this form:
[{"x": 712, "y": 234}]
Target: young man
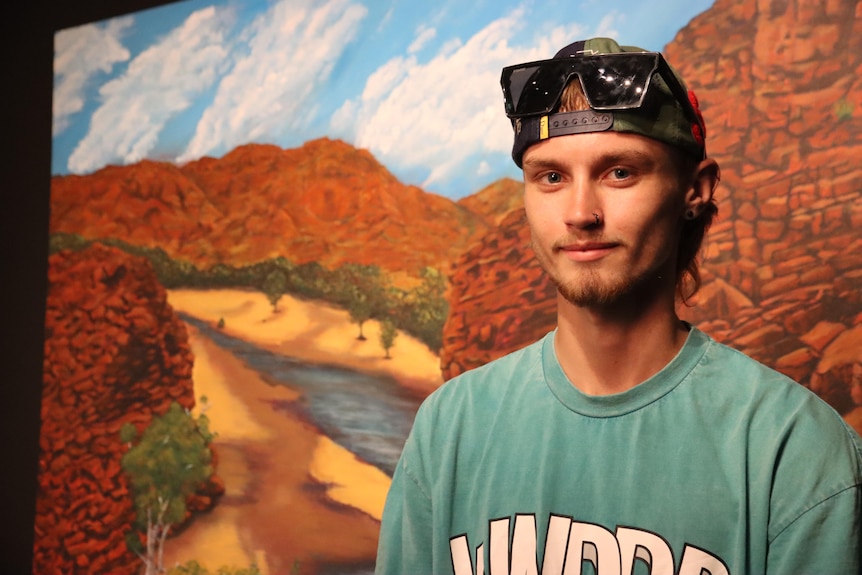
[{"x": 625, "y": 441}]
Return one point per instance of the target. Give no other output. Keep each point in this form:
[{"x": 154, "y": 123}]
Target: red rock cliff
[
  {"x": 115, "y": 352},
  {"x": 781, "y": 89}
]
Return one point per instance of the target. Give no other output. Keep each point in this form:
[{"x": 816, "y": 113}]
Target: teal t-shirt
[{"x": 717, "y": 464}]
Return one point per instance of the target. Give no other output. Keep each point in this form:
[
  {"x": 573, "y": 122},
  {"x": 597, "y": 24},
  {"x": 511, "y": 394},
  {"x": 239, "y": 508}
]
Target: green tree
[
  {"x": 220, "y": 275},
  {"x": 359, "y": 309},
  {"x": 275, "y": 286},
  {"x": 843, "y": 109},
  {"x": 361, "y": 289},
  {"x": 60, "y": 241},
  {"x": 166, "y": 466},
  {"x": 428, "y": 309},
  {"x": 310, "y": 280},
  {"x": 388, "y": 333},
  {"x": 171, "y": 273}
]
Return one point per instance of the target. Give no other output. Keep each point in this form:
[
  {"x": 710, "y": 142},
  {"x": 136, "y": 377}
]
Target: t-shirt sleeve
[
  {"x": 824, "y": 540},
  {"x": 406, "y": 531}
]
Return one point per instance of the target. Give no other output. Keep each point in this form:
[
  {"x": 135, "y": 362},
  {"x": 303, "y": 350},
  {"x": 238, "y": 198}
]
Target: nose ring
[{"x": 598, "y": 219}]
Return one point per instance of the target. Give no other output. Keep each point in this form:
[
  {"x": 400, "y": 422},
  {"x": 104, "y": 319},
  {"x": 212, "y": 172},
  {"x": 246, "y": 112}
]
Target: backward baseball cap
[{"x": 661, "y": 117}]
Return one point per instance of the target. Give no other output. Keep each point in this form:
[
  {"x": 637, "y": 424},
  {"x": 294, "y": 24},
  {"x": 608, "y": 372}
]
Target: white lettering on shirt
[{"x": 569, "y": 544}]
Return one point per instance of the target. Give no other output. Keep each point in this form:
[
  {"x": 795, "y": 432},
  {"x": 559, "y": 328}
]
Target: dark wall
[{"x": 27, "y": 40}]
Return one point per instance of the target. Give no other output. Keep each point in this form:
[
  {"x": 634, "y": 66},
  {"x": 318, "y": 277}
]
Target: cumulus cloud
[
  {"x": 79, "y": 54},
  {"x": 271, "y": 90},
  {"x": 423, "y": 36},
  {"x": 159, "y": 83},
  {"x": 437, "y": 114}
]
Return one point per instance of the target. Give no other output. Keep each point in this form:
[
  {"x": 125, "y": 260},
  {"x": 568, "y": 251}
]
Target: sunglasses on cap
[{"x": 617, "y": 81}]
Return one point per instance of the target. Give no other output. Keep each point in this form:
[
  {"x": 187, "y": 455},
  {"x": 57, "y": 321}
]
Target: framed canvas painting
[{"x": 277, "y": 226}]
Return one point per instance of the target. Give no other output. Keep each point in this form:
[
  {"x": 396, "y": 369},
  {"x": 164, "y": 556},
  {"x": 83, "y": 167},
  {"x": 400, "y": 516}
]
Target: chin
[
  {"x": 595, "y": 291},
  {"x": 591, "y": 291},
  {"x": 581, "y": 297}
]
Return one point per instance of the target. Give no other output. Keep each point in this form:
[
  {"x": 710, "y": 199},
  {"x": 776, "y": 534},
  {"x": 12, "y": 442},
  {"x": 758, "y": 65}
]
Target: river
[{"x": 369, "y": 415}]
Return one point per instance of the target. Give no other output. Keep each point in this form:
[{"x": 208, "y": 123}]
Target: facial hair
[{"x": 591, "y": 288}]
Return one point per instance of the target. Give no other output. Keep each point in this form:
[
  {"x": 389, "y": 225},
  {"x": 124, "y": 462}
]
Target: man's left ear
[{"x": 699, "y": 194}]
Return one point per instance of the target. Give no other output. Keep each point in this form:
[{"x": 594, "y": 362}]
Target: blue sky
[{"x": 414, "y": 82}]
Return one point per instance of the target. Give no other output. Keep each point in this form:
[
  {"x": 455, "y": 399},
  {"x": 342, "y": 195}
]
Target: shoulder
[
  {"x": 455, "y": 419},
  {"x": 777, "y": 411},
  {"x": 792, "y": 440},
  {"x": 728, "y": 371},
  {"x": 490, "y": 380},
  {"x": 474, "y": 398}
]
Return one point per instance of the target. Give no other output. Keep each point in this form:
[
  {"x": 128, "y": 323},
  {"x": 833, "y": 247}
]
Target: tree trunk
[
  {"x": 162, "y": 534},
  {"x": 150, "y": 566}
]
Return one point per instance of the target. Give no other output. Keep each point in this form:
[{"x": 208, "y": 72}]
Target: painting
[{"x": 276, "y": 226}]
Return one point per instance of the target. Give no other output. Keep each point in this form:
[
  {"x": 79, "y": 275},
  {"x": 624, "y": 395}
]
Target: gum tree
[
  {"x": 275, "y": 286},
  {"x": 388, "y": 333},
  {"x": 167, "y": 464}
]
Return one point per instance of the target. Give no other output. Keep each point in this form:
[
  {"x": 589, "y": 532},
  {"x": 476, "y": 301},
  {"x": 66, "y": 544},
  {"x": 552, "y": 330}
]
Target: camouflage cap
[{"x": 662, "y": 116}]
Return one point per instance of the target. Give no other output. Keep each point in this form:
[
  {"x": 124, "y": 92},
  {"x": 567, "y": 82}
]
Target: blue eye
[{"x": 554, "y": 178}]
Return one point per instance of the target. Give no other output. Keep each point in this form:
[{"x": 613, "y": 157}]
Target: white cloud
[
  {"x": 607, "y": 25},
  {"x": 269, "y": 92},
  {"x": 387, "y": 77},
  {"x": 158, "y": 84},
  {"x": 80, "y": 53},
  {"x": 423, "y": 36},
  {"x": 385, "y": 20},
  {"x": 437, "y": 114}
]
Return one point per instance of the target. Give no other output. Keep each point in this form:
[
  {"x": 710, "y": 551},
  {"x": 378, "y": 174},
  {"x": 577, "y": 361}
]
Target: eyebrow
[
  {"x": 541, "y": 163},
  {"x": 620, "y": 156},
  {"x": 630, "y": 155}
]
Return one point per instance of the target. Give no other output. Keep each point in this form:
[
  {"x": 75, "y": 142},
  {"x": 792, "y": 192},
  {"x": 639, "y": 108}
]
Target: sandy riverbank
[
  {"x": 294, "y": 499},
  {"x": 312, "y": 331}
]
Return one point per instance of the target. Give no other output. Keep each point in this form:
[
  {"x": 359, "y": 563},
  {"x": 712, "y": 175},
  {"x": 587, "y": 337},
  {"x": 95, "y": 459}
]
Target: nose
[{"x": 583, "y": 208}]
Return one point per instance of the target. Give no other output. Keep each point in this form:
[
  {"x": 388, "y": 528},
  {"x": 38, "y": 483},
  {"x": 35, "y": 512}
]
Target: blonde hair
[{"x": 573, "y": 98}]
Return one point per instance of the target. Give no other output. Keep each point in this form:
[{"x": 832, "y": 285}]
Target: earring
[{"x": 689, "y": 215}]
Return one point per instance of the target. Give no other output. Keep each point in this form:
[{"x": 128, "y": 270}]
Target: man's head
[{"x": 597, "y": 86}]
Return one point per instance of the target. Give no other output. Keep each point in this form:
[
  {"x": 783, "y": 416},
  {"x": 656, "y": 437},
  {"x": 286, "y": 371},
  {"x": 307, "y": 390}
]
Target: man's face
[{"x": 633, "y": 184}]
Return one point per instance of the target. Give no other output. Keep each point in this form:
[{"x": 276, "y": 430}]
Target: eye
[
  {"x": 553, "y": 177},
  {"x": 620, "y": 173}
]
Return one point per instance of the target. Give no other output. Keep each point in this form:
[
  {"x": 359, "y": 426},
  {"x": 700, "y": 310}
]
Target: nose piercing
[{"x": 598, "y": 220}]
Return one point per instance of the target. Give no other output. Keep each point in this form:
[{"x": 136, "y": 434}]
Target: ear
[{"x": 700, "y": 192}]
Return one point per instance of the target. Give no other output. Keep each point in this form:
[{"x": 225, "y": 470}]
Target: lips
[{"x": 586, "y": 251}]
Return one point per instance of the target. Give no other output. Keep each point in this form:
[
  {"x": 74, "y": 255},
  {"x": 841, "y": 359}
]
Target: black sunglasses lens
[
  {"x": 535, "y": 89},
  {"x": 618, "y": 83},
  {"x": 610, "y": 82}
]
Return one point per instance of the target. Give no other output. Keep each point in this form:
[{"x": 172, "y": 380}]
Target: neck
[{"x": 605, "y": 351}]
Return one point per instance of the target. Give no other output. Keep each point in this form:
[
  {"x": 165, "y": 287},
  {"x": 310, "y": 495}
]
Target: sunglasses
[{"x": 618, "y": 81}]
